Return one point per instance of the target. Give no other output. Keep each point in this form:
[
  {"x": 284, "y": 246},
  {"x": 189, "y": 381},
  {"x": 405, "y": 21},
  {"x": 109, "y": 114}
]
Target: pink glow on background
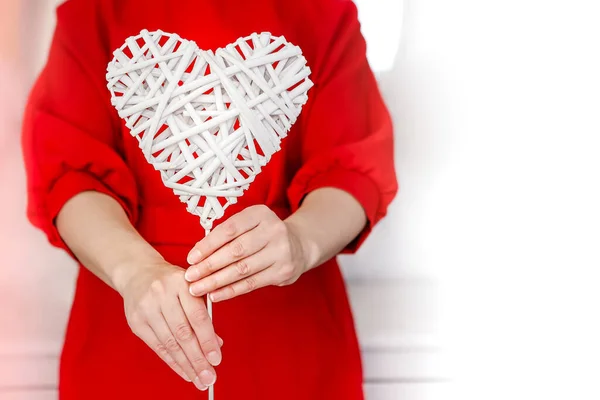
[{"x": 32, "y": 312}]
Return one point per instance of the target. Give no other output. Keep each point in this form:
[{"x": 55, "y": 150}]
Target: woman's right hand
[{"x": 161, "y": 311}]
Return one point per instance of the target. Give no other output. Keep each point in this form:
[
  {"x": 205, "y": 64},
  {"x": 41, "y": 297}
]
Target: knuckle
[
  {"x": 212, "y": 283},
  {"x": 279, "y": 228},
  {"x": 285, "y": 247},
  {"x": 286, "y": 272},
  {"x": 230, "y": 228},
  {"x": 257, "y": 207},
  {"x": 209, "y": 265},
  {"x": 230, "y": 291},
  {"x": 242, "y": 267},
  {"x": 204, "y": 245},
  {"x": 262, "y": 210},
  {"x": 199, "y": 316},
  {"x": 237, "y": 248},
  {"x": 171, "y": 344},
  {"x": 198, "y": 360},
  {"x": 184, "y": 333},
  {"x": 133, "y": 317},
  {"x": 139, "y": 311},
  {"x": 134, "y": 325},
  {"x": 251, "y": 283},
  {"x": 208, "y": 344},
  {"x": 145, "y": 309},
  {"x": 157, "y": 286},
  {"x": 161, "y": 350},
  {"x": 289, "y": 281},
  {"x": 134, "y": 329}
]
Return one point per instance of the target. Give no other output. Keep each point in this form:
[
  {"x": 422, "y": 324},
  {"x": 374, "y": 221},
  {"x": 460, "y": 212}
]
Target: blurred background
[{"x": 482, "y": 283}]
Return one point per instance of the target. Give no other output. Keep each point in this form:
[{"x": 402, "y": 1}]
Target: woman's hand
[
  {"x": 176, "y": 325},
  {"x": 250, "y": 250}
]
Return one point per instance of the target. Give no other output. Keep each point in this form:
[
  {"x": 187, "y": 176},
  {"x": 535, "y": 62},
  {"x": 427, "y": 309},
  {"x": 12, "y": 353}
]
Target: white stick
[{"x": 211, "y": 389}]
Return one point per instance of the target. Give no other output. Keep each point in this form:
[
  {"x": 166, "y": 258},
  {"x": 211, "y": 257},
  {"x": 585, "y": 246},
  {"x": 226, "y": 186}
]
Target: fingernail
[
  {"x": 194, "y": 256},
  {"x": 191, "y": 274},
  {"x": 199, "y": 384},
  {"x": 186, "y": 378},
  {"x": 216, "y": 296},
  {"x": 196, "y": 290},
  {"x": 214, "y": 358},
  {"x": 207, "y": 378}
]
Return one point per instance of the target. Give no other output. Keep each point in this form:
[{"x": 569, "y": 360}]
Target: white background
[{"x": 482, "y": 282}]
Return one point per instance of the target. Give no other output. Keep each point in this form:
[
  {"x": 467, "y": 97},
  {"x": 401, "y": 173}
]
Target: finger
[
  {"x": 234, "y": 272},
  {"x": 243, "y": 246},
  {"x": 235, "y": 226},
  {"x": 220, "y": 340},
  {"x": 197, "y": 315},
  {"x": 264, "y": 278},
  {"x": 147, "y": 335},
  {"x": 187, "y": 340},
  {"x": 169, "y": 343}
]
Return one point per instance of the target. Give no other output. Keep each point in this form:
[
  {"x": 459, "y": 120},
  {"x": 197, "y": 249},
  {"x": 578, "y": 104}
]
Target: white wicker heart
[{"x": 208, "y": 121}]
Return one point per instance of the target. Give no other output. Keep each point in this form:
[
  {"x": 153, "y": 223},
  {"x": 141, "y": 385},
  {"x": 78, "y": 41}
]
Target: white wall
[{"x": 496, "y": 105}]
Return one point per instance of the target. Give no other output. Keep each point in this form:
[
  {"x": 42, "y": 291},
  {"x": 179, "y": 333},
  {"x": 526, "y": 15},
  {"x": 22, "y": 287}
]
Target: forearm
[
  {"x": 327, "y": 221},
  {"x": 98, "y": 232}
]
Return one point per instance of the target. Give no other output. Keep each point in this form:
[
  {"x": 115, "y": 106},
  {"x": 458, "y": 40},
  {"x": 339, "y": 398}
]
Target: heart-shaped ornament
[{"x": 208, "y": 121}]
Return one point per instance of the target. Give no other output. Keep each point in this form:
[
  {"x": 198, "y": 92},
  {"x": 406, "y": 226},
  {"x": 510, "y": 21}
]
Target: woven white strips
[{"x": 208, "y": 121}]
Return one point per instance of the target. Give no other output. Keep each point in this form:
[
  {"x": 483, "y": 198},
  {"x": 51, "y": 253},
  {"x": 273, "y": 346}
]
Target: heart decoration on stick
[{"x": 208, "y": 121}]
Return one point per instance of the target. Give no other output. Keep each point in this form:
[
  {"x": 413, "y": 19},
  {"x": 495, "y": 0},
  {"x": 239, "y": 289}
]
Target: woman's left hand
[{"x": 250, "y": 250}]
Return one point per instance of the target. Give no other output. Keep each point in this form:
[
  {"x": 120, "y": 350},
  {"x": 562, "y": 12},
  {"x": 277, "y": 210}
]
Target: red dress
[{"x": 281, "y": 343}]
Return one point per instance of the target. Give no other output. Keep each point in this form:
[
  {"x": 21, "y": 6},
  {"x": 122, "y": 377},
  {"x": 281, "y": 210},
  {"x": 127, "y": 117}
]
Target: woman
[{"x": 281, "y": 306}]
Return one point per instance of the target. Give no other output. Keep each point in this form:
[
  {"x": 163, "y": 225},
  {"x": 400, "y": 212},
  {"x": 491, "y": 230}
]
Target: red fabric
[{"x": 296, "y": 342}]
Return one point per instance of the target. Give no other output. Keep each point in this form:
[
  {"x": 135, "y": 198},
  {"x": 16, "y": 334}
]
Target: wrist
[
  {"x": 310, "y": 251},
  {"x": 130, "y": 265}
]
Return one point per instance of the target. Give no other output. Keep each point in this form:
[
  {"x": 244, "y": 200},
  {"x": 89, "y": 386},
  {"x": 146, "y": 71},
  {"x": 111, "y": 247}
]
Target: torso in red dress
[{"x": 294, "y": 342}]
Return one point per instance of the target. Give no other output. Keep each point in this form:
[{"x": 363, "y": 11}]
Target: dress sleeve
[
  {"x": 347, "y": 138},
  {"x": 70, "y": 137}
]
